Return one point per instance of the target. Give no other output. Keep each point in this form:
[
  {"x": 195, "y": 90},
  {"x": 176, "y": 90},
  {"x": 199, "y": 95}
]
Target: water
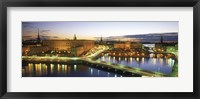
[
  {"x": 49, "y": 69},
  {"x": 62, "y": 70},
  {"x": 162, "y": 65}
]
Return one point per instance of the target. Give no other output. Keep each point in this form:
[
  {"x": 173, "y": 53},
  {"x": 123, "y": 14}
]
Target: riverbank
[{"x": 96, "y": 64}]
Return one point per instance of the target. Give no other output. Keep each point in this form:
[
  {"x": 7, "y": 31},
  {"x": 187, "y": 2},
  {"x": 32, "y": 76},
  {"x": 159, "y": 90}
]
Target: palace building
[{"x": 77, "y": 47}]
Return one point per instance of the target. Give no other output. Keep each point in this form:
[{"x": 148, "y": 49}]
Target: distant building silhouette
[
  {"x": 38, "y": 38},
  {"x": 101, "y": 40},
  {"x": 75, "y": 37},
  {"x": 161, "y": 46},
  {"x": 161, "y": 39}
]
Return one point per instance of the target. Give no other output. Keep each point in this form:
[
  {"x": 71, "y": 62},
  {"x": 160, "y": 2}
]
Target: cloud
[
  {"x": 49, "y": 37},
  {"x": 45, "y": 31},
  {"x": 28, "y": 31},
  {"x": 33, "y": 27},
  {"x": 28, "y": 25},
  {"x": 46, "y": 37}
]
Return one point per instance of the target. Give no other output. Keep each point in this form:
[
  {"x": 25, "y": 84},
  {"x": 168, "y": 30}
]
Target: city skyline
[
  {"x": 91, "y": 30},
  {"x": 100, "y": 49}
]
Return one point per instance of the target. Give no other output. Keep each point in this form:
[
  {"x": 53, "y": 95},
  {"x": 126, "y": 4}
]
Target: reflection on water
[
  {"x": 162, "y": 65},
  {"x": 62, "y": 70},
  {"x": 49, "y": 69}
]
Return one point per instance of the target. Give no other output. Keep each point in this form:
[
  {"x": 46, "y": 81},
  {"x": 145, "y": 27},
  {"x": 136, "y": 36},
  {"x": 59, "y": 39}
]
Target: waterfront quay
[{"x": 105, "y": 66}]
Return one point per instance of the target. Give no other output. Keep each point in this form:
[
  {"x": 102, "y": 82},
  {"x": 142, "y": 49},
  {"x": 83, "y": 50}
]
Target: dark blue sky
[{"x": 89, "y": 30}]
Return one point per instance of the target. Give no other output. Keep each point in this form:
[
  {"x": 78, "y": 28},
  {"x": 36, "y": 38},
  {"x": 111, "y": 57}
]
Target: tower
[
  {"x": 161, "y": 39},
  {"x": 38, "y": 38},
  {"x": 101, "y": 39},
  {"x": 74, "y": 36}
]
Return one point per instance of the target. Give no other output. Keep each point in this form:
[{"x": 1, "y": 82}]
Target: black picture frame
[{"x": 98, "y": 3}]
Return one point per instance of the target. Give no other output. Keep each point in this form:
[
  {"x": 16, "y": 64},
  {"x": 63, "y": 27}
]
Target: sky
[{"x": 90, "y": 30}]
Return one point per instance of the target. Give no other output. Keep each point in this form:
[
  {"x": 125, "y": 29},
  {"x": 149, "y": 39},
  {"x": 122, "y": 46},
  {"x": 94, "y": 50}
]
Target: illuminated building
[
  {"x": 57, "y": 44},
  {"x": 33, "y": 46},
  {"x": 123, "y": 45},
  {"x": 37, "y": 49},
  {"x": 77, "y": 51},
  {"x": 160, "y": 47},
  {"x": 119, "y": 45},
  {"x": 127, "y": 45},
  {"x": 68, "y": 44},
  {"x": 136, "y": 45},
  {"x": 76, "y": 47}
]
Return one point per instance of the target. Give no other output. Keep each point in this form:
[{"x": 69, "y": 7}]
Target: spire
[
  {"x": 74, "y": 36},
  {"x": 101, "y": 38},
  {"x": 38, "y": 38},
  {"x": 161, "y": 39}
]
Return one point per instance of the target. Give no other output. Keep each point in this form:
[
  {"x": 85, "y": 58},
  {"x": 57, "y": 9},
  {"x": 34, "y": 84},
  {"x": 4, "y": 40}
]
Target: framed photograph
[{"x": 90, "y": 49}]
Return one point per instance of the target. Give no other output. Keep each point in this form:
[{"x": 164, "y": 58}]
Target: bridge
[
  {"x": 115, "y": 68},
  {"x": 150, "y": 54},
  {"x": 163, "y": 54}
]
